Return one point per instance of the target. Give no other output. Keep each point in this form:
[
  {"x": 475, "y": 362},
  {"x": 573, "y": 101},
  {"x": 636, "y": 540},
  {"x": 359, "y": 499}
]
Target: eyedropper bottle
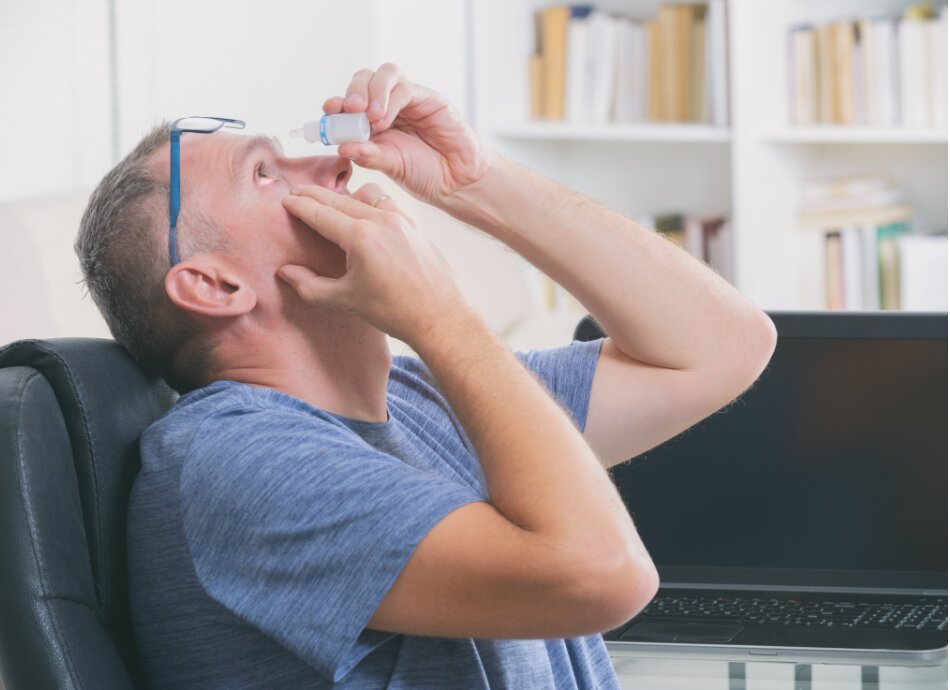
[{"x": 341, "y": 128}]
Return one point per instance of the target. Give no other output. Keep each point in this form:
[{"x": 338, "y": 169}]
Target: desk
[{"x": 643, "y": 672}]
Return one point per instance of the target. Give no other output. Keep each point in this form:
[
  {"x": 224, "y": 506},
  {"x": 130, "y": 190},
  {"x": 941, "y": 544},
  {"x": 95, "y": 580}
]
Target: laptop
[{"x": 807, "y": 520}]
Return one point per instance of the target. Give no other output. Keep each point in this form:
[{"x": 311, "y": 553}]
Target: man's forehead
[{"x": 225, "y": 149}]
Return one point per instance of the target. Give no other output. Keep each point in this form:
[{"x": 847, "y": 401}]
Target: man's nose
[{"x": 331, "y": 172}]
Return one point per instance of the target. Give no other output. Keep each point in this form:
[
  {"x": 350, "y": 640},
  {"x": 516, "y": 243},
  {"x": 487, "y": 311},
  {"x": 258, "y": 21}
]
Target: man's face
[{"x": 237, "y": 182}]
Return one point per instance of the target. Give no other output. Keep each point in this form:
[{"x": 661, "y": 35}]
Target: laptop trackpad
[{"x": 681, "y": 631}]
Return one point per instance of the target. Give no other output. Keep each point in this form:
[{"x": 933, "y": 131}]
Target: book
[
  {"x": 630, "y": 101},
  {"x": 602, "y": 64},
  {"x": 707, "y": 240},
  {"x": 719, "y": 249},
  {"x": 834, "y": 281},
  {"x": 888, "y": 276},
  {"x": 674, "y": 34},
  {"x": 535, "y": 79},
  {"x": 923, "y": 271},
  {"x": 870, "y": 269},
  {"x": 857, "y": 77},
  {"x": 832, "y": 203},
  {"x": 851, "y": 267},
  {"x": 684, "y": 61},
  {"x": 554, "y": 21},
  {"x": 656, "y": 110},
  {"x": 937, "y": 69},
  {"x": 717, "y": 67},
  {"x": 913, "y": 79},
  {"x": 803, "y": 60},
  {"x": 671, "y": 226},
  {"x": 878, "y": 215},
  {"x": 666, "y": 41},
  {"x": 698, "y": 103},
  {"x": 577, "y": 79},
  {"x": 843, "y": 108},
  {"x": 879, "y": 58},
  {"x": 845, "y": 193},
  {"x": 827, "y": 75}
]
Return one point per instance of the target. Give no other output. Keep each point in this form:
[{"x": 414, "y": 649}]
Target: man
[{"x": 314, "y": 512}]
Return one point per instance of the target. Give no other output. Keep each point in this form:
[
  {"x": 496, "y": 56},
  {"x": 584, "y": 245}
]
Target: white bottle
[{"x": 335, "y": 129}]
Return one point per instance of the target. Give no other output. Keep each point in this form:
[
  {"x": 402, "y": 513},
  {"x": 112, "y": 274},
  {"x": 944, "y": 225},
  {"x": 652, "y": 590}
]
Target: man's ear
[{"x": 204, "y": 285}]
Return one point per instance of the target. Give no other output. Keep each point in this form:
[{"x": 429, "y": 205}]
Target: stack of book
[
  {"x": 591, "y": 67},
  {"x": 878, "y": 70},
  {"x": 872, "y": 260},
  {"x": 707, "y": 238}
]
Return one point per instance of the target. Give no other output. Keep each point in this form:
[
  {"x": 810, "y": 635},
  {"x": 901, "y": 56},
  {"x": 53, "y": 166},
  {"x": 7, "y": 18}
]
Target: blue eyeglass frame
[{"x": 174, "y": 177}]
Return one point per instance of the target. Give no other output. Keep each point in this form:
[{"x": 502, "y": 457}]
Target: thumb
[
  {"x": 371, "y": 155},
  {"x": 310, "y": 287}
]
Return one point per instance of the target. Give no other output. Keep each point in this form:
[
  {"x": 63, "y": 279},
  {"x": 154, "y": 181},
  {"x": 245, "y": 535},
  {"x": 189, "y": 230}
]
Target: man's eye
[{"x": 262, "y": 174}]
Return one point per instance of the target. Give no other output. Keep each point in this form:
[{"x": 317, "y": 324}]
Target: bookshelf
[
  {"x": 752, "y": 170},
  {"x": 614, "y": 132},
  {"x": 856, "y": 135}
]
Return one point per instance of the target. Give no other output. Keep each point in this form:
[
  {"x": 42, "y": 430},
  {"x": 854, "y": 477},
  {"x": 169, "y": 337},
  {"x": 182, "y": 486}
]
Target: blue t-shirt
[{"x": 263, "y": 533}]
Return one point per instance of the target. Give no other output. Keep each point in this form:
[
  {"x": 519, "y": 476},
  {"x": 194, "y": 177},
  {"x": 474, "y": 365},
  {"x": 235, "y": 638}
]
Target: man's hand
[
  {"x": 395, "y": 278},
  {"x": 418, "y": 139}
]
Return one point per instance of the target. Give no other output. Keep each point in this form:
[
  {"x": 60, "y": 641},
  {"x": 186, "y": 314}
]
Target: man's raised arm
[
  {"x": 656, "y": 302},
  {"x": 682, "y": 342}
]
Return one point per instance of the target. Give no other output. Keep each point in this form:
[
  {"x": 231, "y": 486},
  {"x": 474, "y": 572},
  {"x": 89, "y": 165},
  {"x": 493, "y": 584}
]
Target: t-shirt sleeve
[
  {"x": 300, "y": 528},
  {"x": 567, "y": 372}
]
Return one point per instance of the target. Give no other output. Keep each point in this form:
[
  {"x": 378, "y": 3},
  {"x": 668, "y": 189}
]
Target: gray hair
[{"x": 123, "y": 251}]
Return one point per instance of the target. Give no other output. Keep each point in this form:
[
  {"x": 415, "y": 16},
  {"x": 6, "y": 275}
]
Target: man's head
[{"x": 233, "y": 235}]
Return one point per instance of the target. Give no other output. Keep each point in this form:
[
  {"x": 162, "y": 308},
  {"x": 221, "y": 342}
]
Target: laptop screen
[{"x": 831, "y": 470}]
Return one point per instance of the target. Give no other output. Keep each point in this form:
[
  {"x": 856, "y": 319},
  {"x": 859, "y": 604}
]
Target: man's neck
[{"x": 341, "y": 367}]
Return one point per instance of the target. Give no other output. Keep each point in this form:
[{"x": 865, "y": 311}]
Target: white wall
[{"x": 272, "y": 65}]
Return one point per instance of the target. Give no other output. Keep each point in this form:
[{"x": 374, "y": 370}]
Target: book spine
[
  {"x": 834, "y": 283},
  {"x": 889, "y": 262},
  {"x": 554, "y": 21},
  {"x": 851, "y": 260},
  {"x": 844, "y": 73}
]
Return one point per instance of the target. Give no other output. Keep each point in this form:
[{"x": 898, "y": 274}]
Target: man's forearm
[
  {"x": 656, "y": 302},
  {"x": 540, "y": 472}
]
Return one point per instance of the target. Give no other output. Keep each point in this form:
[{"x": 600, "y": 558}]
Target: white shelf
[
  {"x": 856, "y": 135},
  {"x": 666, "y": 133}
]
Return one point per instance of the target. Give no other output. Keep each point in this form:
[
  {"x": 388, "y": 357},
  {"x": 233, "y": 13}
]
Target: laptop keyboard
[{"x": 925, "y": 614}]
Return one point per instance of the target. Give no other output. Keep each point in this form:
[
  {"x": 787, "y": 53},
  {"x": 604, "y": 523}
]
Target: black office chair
[
  {"x": 71, "y": 412},
  {"x": 588, "y": 329}
]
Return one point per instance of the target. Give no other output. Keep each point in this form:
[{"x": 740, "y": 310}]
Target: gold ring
[{"x": 381, "y": 199}]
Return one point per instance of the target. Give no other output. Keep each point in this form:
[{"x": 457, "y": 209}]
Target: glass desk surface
[{"x": 646, "y": 671}]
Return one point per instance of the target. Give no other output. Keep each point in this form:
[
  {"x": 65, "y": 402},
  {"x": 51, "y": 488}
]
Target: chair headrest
[{"x": 106, "y": 402}]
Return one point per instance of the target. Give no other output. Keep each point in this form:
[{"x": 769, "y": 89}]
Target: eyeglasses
[{"x": 199, "y": 125}]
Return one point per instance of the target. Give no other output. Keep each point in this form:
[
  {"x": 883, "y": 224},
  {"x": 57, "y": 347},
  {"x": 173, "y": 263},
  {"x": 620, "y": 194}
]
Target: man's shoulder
[{"x": 232, "y": 419}]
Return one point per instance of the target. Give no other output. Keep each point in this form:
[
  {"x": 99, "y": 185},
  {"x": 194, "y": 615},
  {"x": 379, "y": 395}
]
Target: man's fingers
[
  {"x": 371, "y": 155},
  {"x": 330, "y": 222},
  {"x": 369, "y": 192},
  {"x": 380, "y": 87},
  {"x": 400, "y": 97},
  {"x": 372, "y": 192},
  {"x": 343, "y": 203},
  {"x": 333, "y": 105},
  {"x": 357, "y": 92},
  {"x": 310, "y": 287}
]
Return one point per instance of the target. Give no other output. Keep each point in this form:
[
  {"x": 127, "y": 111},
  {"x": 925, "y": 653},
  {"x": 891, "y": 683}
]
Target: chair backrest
[
  {"x": 71, "y": 413},
  {"x": 588, "y": 329}
]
